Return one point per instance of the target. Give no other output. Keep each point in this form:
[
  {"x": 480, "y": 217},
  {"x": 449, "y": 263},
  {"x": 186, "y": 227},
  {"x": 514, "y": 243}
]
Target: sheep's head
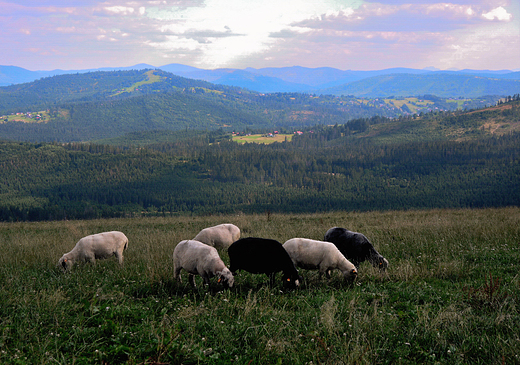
[
  {"x": 378, "y": 261},
  {"x": 382, "y": 263},
  {"x": 226, "y": 278},
  {"x": 292, "y": 281},
  {"x": 350, "y": 275},
  {"x": 65, "y": 263}
]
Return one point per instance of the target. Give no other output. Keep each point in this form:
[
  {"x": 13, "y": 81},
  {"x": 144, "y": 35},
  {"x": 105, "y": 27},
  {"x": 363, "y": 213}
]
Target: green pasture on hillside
[
  {"x": 262, "y": 138},
  {"x": 152, "y": 78},
  {"x": 451, "y": 295}
]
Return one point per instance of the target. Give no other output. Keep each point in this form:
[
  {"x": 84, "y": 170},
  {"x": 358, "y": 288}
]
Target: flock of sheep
[{"x": 341, "y": 249}]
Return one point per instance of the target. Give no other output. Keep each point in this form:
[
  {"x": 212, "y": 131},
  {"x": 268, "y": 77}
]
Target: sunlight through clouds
[
  {"x": 346, "y": 34},
  {"x": 230, "y": 29}
]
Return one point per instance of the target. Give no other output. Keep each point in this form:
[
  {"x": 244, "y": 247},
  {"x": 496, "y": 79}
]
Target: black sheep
[
  {"x": 263, "y": 256},
  {"x": 355, "y": 247}
]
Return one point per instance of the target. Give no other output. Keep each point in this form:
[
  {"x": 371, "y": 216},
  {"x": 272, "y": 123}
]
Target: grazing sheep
[
  {"x": 355, "y": 247},
  {"x": 97, "y": 246},
  {"x": 221, "y": 236},
  {"x": 263, "y": 256},
  {"x": 198, "y": 258},
  {"x": 318, "y": 255}
]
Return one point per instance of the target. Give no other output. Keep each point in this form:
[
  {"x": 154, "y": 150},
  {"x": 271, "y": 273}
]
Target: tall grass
[{"x": 451, "y": 295}]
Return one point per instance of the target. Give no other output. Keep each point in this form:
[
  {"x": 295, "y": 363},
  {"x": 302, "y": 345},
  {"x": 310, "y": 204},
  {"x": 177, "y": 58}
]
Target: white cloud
[
  {"x": 119, "y": 9},
  {"x": 247, "y": 24},
  {"x": 499, "y": 14}
]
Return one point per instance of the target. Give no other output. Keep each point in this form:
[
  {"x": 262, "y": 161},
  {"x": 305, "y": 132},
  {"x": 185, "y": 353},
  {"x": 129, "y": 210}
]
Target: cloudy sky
[{"x": 345, "y": 34}]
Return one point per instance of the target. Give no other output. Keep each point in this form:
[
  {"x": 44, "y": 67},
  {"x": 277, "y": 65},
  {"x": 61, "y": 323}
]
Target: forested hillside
[
  {"x": 51, "y": 91},
  {"x": 166, "y": 149},
  {"x": 322, "y": 80},
  {"x": 100, "y": 105},
  {"x": 333, "y": 168},
  {"x": 440, "y": 84}
]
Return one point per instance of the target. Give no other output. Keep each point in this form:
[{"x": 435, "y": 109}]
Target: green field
[
  {"x": 35, "y": 117},
  {"x": 152, "y": 78},
  {"x": 262, "y": 138},
  {"x": 451, "y": 295}
]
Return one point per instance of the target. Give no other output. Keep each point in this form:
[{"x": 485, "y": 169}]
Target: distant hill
[
  {"x": 323, "y": 80},
  {"x": 376, "y": 83},
  {"x": 89, "y": 86},
  {"x": 97, "y": 105},
  {"x": 439, "y": 84},
  {"x": 323, "y": 77},
  {"x": 12, "y": 75},
  {"x": 109, "y": 104}
]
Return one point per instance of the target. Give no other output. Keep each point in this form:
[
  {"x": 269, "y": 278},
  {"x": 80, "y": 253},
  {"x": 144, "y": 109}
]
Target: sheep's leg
[
  {"x": 177, "y": 273},
  {"x": 205, "y": 277},
  {"x": 119, "y": 256},
  {"x": 323, "y": 270},
  {"x": 271, "y": 278},
  {"x": 191, "y": 280}
]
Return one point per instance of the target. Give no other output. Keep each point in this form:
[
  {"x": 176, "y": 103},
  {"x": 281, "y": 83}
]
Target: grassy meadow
[
  {"x": 262, "y": 138},
  {"x": 451, "y": 295}
]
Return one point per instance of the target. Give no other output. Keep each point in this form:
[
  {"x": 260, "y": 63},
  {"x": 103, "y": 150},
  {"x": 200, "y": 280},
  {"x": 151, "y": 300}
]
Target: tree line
[{"x": 314, "y": 172}]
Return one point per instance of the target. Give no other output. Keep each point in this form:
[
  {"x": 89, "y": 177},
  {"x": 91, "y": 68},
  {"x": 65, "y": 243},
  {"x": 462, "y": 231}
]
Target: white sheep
[
  {"x": 198, "y": 258},
  {"x": 319, "y": 255},
  {"x": 220, "y": 236},
  {"x": 96, "y": 246}
]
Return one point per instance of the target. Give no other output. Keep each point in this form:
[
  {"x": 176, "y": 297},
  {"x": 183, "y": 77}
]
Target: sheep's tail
[{"x": 126, "y": 244}]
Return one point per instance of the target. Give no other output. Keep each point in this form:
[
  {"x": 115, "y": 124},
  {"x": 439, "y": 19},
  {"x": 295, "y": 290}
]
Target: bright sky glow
[{"x": 345, "y": 34}]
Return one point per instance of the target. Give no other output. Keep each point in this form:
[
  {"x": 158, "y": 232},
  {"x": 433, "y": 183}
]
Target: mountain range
[
  {"x": 324, "y": 80},
  {"x": 106, "y": 104}
]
